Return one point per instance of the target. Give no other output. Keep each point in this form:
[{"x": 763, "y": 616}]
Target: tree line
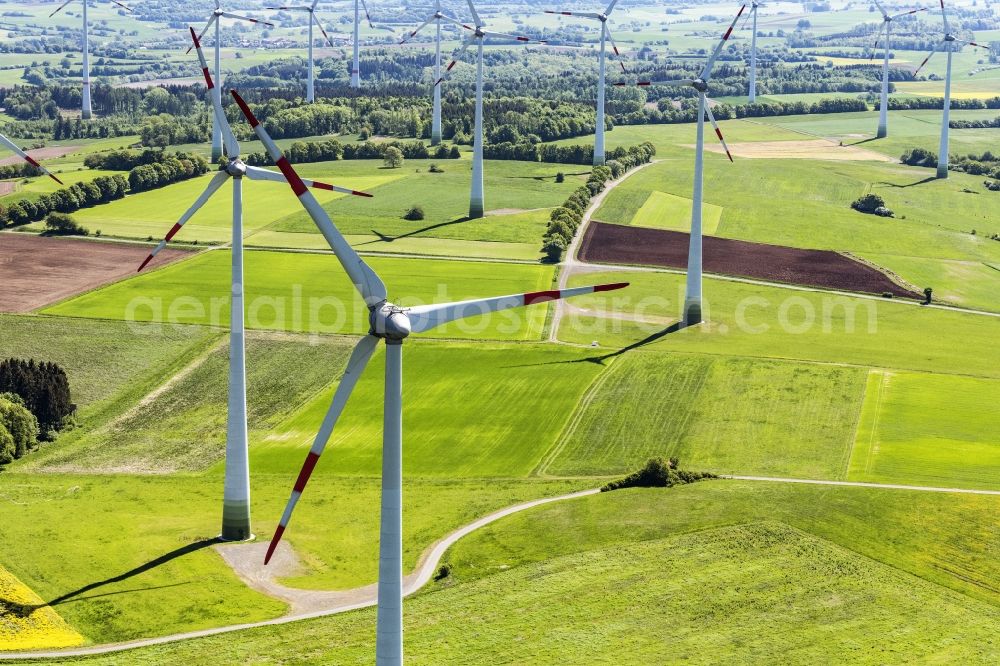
[
  {"x": 332, "y": 150},
  {"x": 35, "y": 403}
]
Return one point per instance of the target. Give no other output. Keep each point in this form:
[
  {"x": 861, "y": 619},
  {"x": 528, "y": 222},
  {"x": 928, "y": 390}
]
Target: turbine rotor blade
[
  {"x": 912, "y": 11},
  {"x": 246, "y": 18},
  {"x": 426, "y": 317},
  {"x": 982, "y": 46},
  {"x": 644, "y": 84},
  {"x": 929, "y": 55},
  {"x": 610, "y": 8},
  {"x": 232, "y": 146},
  {"x": 881, "y": 8},
  {"x": 364, "y": 278},
  {"x": 367, "y": 15},
  {"x": 256, "y": 173},
  {"x": 454, "y": 60},
  {"x": 718, "y": 49},
  {"x": 412, "y": 34},
  {"x": 593, "y": 15},
  {"x": 518, "y": 38},
  {"x": 878, "y": 39},
  {"x": 475, "y": 14},
  {"x": 718, "y": 132},
  {"x": 355, "y": 366},
  {"x": 320, "y": 26},
  {"x": 204, "y": 30},
  {"x": 213, "y": 186},
  {"x": 614, "y": 47},
  {"x": 28, "y": 158},
  {"x": 125, "y": 7},
  {"x": 60, "y": 8}
]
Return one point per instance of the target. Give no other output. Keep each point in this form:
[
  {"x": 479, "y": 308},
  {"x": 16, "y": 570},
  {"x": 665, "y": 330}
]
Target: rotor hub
[
  {"x": 700, "y": 85},
  {"x": 218, "y": 12},
  {"x": 235, "y": 168},
  {"x": 479, "y": 32},
  {"x": 389, "y": 322},
  {"x": 949, "y": 38},
  {"x": 603, "y": 18}
]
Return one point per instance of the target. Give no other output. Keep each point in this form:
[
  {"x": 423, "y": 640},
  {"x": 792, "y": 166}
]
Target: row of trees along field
[{"x": 35, "y": 403}]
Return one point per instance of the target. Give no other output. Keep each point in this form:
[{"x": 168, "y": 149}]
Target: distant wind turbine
[
  {"x": 390, "y": 324},
  {"x": 602, "y": 17},
  {"x": 217, "y": 14},
  {"x": 236, "y": 492},
  {"x": 310, "y": 87},
  {"x": 477, "y": 206},
  {"x": 27, "y": 158},
  {"x": 436, "y": 17},
  {"x": 86, "y": 111},
  {"x": 883, "y": 109},
  {"x": 946, "y": 45},
  {"x": 692, "y": 298},
  {"x": 753, "y": 50},
  {"x": 356, "y": 62}
]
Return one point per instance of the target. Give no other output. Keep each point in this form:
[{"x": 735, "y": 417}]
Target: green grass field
[
  {"x": 674, "y": 564},
  {"x": 714, "y": 413},
  {"x": 667, "y": 211},
  {"x": 970, "y": 284},
  {"x": 309, "y": 293},
  {"x": 929, "y": 429},
  {"x": 746, "y": 320}
]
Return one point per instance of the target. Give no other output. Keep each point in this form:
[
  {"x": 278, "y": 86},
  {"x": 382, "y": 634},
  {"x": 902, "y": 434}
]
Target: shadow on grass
[
  {"x": 8, "y": 607},
  {"x": 928, "y": 179},
  {"x": 385, "y": 238},
  {"x": 552, "y": 177},
  {"x": 599, "y": 360}
]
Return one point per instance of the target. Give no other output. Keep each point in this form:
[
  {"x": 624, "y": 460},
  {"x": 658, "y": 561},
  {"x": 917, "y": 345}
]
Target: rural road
[
  {"x": 863, "y": 484},
  {"x": 341, "y": 601}
]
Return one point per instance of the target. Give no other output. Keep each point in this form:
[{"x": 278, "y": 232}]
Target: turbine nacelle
[
  {"x": 700, "y": 85},
  {"x": 235, "y": 168},
  {"x": 389, "y": 322}
]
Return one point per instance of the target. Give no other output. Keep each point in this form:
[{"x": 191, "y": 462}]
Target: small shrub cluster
[
  {"x": 18, "y": 428},
  {"x": 413, "y": 214},
  {"x": 61, "y": 224},
  {"x": 871, "y": 204},
  {"x": 919, "y": 157},
  {"x": 658, "y": 473},
  {"x": 565, "y": 220}
]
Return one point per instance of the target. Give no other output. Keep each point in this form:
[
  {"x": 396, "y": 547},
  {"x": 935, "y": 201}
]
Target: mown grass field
[
  {"x": 765, "y": 589},
  {"x": 768, "y": 322},
  {"x": 969, "y": 284},
  {"x": 669, "y": 211},
  {"x": 715, "y": 413},
  {"x": 181, "y": 426},
  {"x": 309, "y": 293},
  {"x": 930, "y": 429}
]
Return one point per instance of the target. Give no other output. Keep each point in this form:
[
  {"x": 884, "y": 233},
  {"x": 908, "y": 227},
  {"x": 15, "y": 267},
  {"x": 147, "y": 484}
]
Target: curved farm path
[{"x": 305, "y": 604}]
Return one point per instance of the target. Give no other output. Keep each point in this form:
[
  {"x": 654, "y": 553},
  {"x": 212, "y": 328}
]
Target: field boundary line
[
  {"x": 422, "y": 574},
  {"x": 572, "y": 423},
  {"x": 864, "y": 484}
]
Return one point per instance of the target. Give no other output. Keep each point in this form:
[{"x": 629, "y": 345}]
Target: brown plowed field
[
  {"x": 614, "y": 244},
  {"x": 36, "y": 271},
  {"x": 41, "y": 154}
]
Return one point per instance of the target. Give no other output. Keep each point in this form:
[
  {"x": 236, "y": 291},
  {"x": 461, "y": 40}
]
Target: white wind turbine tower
[
  {"x": 753, "y": 51},
  {"x": 602, "y": 17},
  {"x": 692, "y": 297},
  {"x": 310, "y": 87},
  {"x": 437, "y": 17},
  {"x": 391, "y": 324},
  {"x": 86, "y": 111},
  {"x": 27, "y": 158},
  {"x": 883, "y": 108},
  {"x": 236, "y": 496},
  {"x": 214, "y": 19},
  {"x": 477, "y": 206},
  {"x": 356, "y": 61},
  {"x": 946, "y": 45}
]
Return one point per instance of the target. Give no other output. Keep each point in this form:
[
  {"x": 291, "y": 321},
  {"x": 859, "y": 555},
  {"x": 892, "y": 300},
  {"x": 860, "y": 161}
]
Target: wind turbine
[
  {"x": 477, "y": 205},
  {"x": 391, "y": 324},
  {"x": 214, "y": 19},
  {"x": 601, "y": 17},
  {"x": 946, "y": 44},
  {"x": 27, "y": 158},
  {"x": 356, "y": 62},
  {"x": 437, "y": 17},
  {"x": 86, "y": 111},
  {"x": 236, "y": 495},
  {"x": 753, "y": 51},
  {"x": 692, "y": 297},
  {"x": 883, "y": 108},
  {"x": 310, "y": 88}
]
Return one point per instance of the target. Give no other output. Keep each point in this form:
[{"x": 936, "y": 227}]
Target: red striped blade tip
[
  {"x": 194, "y": 36},
  {"x": 274, "y": 543},
  {"x": 611, "y": 287},
  {"x": 143, "y": 264},
  {"x": 52, "y": 176}
]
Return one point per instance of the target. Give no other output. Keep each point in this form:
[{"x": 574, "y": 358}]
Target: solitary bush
[
  {"x": 443, "y": 572},
  {"x": 61, "y": 224},
  {"x": 872, "y": 204},
  {"x": 560, "y": 177},
  {"x": 434, "y": 168},
  {"x": 415, "y": 213},
  {"x": 658, "y": 473}
]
